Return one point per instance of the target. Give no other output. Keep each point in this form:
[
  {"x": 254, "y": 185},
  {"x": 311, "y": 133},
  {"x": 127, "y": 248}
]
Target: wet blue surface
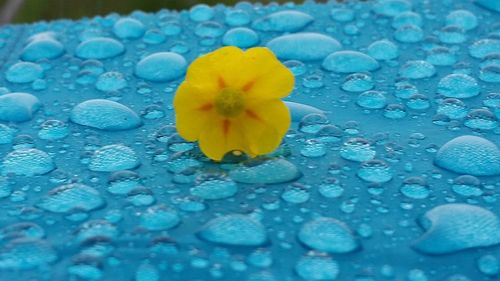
[{"x": 390, "y": 170}]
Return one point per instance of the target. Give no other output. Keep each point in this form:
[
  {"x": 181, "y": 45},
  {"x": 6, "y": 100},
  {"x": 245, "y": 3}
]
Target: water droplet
[
  {"x": 160, "y": 217},
  {"x": 265, "y": 171},
  {"x": 484, "y": 47},
  {"x": 357, "y": 149},
  {"x": 53, "y": 130},
  {"x": 295, "y": 195},
  {"x": 469, "y": 155},
  {"x": 358, "y": 82},
  {"x": 283, "y": 21},
  {"x": 112, "y": 158},
  {"x": 147, "y": 272},
  {"x": 462, "y": 18},
  {"x": 303, "y": 46},
  {"x": 105, "y": 115},
  {"x": 161, "y": 67},
  {"x": 394, "y": 111},
  {"x": 201, "y": 12},
  {"x": 111, "y": 81},
  {"x": 467, "y": 185},
  {"x": 18, "y": 107},
  {"x": 209, "y": 29},
  {"x": 331, "y": 188},
  {"x": 407, "y": 18},
  {"x": 409, "y": 34},
  {"x": 458, "y": 86},
  {"x": 391, "y": 8},
  {"x": 342, "y": 14},
  {"x": 99, "y": 48},
  {"x": 328, "y": 235},
  {"x": 375, "y": 171},
  {"x": 234, "y": 230},
  {"x": 71, "y": 197},
  {"x": 241, "y": 37},
  {"x": 299, "y": 110},
  {"x": 383, "y": 50},
  {"x": 349, "y": 62},
  {"x": 415, "y": 188},
  {"x": 128, "y": 28},
  {"x": 417, "y": 69},
  {"x": 42, "y": 46},
  {"x": 317, "y": 266},
  {"x": 237, "y": 17},
  {"x": 441, "y": 56},
  {"x": 481, "y": 119},
  {"x": 453, "y": 108},
  {"x": 26, "y": 253},
  {"x": 24, "y": 72},
  {"x": 214, "y": 186},
  {"x": 372, "y": 100},
  {"x": 27, "y": 162},
  {"x": 488, "y": 264},
  {"x": 454, "y": 227}
]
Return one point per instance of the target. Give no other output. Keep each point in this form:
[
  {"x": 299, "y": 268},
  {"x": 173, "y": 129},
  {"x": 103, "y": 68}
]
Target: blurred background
[{"x": 25, "y": 11}]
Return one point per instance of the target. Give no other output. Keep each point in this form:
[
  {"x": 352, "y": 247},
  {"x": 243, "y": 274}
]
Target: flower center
[{"x": 229, "y": 102}]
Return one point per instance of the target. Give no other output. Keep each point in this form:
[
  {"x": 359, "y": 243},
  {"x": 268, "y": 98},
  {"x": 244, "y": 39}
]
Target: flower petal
[
  {"x": 265, "y": 125},
  {"x": 221, "y": 136},
  {"x": 193, "y": 108},
  {"x": 215, "y": 70},
  {"x": 267, "y": 78}
]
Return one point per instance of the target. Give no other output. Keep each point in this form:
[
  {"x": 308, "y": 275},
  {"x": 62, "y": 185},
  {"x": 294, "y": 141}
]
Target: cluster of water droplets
[{"x": 393, "y": 150}]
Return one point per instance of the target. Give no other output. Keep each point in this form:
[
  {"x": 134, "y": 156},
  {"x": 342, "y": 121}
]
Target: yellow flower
[{"x": 231, "y": 100}]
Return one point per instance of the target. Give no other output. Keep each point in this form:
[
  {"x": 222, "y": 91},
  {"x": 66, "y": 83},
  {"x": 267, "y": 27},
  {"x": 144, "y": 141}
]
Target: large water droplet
[
  {"x": 458, "y": 86},
  {"x": 42, "y": 46},
  {"x": 417, "y": 69},
  {"x": 112, "y": 158},
  {"x": 159, "y": 217},
  {"x": 299, "y": 110},
  {"x": 24, "y": 72},
  {"x": 317, "y": 266},
  {"x": 128, "y": 28},
  {"x": 455, "y": 227},
  {"x": 71, "y": 197},
  {"x": 235, "y": 230},
  {"x": 265, "y": 171},
  {"x": 469, "y": 155},
  {"x": 329, "y": 235},
  {"x": 303, "y": 46},
  {"x": 105, "y": 115},
  {"x": 161, "y": 67},
  {"x": 99, "y": 48},
  {"x": 26, "y": 253},
  {"x": 27, "y": 162},
  {"x": 214, "y": 186},
  {"x": 18, "y": 107},
  {"x": 283, "y": 21},
  {"x": 241, "y": 37},
  {"x": 349, "y": 62}
]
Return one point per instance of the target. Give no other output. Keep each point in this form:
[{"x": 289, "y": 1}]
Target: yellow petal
[
  {"x": 267, "y": 77},
  {"x": 221, "y": 136},
  {"x": 217, "y": 69},
  {"x": 193, "y": 108},
  {"x": 264, "y": 126}
]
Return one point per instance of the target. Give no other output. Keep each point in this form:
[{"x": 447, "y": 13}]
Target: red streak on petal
[
  {"x": 206, "y": 107},
  {"x": 225, "y": 126},
  {"x": 249, "y": 85},
  {"x": 253, "y": 115},
  {"x": 222, "y": 83}
]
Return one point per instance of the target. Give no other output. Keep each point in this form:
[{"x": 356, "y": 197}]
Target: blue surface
[{"x": 390, "y": 171}]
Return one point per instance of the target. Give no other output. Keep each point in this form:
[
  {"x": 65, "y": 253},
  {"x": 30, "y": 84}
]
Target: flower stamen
[{"x": 229, "y": 102}]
